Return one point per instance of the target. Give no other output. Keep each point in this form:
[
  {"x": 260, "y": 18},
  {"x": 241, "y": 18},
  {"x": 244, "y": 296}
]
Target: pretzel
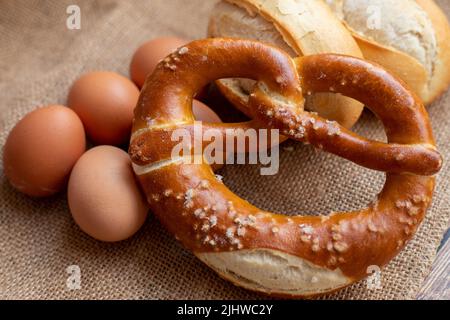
[{"x": 264, "y": 251}]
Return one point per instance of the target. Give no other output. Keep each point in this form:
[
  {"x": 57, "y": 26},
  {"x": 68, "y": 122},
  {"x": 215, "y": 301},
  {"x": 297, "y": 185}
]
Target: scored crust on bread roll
[
  {"x": 411, "y": 38},
  {"x": 300, "y": 28}
]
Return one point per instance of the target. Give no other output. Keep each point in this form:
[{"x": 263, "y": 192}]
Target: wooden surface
[{"x": 437, "y": 284}]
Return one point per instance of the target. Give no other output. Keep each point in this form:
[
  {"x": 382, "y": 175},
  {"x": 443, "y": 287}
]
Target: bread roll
[
  {"x": 301, "y": 27},
  {"x": 411, "y": 38}
]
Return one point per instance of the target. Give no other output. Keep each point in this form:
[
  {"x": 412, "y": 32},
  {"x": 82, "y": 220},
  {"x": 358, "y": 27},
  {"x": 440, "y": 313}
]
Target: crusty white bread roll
[
  {"x": 411, "y": 38},
  {"x": 301, "y": 27}
]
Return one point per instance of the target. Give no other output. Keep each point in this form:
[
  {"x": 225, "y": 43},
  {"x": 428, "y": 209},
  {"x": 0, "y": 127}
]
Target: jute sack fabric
[{"x": 40, "y": 58}]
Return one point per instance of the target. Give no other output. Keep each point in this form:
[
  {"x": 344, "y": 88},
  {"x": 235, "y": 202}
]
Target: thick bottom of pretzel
[{"x": 274, "y": 272}]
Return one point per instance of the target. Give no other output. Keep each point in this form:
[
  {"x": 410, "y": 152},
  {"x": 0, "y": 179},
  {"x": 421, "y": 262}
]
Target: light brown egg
[
  {"x": 42, "y": 149},
  {"x": 148, "y": 55},
  {"x": 104, "y": 198},
  {"x": 105, "y": 102},
  {"x": 204, "y": 113}
]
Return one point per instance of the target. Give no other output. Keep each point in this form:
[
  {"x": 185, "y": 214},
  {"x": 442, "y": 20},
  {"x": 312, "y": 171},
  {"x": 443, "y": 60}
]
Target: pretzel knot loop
[{"x": 264, "y": 251}]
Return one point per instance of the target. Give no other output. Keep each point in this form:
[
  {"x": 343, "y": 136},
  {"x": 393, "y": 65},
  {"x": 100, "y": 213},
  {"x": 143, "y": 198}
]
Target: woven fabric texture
[{"x": 40, "y": 58}]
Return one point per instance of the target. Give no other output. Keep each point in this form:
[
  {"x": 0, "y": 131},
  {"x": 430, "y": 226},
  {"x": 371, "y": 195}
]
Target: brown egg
[
  {"x": 204, "y": 113},
  {"x": 104, "y": 197},
  {"x": 105, "y": 102},
  {"x": 42, "y": 149},
  {"x": 148, "y": 55}
]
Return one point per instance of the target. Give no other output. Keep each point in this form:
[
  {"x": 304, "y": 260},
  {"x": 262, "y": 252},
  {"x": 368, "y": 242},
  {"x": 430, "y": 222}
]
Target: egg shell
[
  {"x": 105, "y": 102},
  {"x": 149, "y": 54},
  {"x": 204, "y": 113},
  {"x": 41, "y": 150},
  {"x": 104, "y": 197}
]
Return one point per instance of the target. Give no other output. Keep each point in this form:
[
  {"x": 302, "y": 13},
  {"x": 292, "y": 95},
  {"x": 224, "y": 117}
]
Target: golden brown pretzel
[{"x": 263, "y": 251}]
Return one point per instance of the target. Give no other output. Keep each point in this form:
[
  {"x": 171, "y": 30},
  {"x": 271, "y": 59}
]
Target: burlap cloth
[{"x": 40, "y": 58}]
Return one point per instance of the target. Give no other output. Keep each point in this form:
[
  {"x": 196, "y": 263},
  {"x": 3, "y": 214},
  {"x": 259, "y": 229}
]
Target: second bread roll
[{"x": 411, "y": 38}]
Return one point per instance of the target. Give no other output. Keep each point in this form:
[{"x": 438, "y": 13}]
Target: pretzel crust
[{"x": 301, "y": 255}]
